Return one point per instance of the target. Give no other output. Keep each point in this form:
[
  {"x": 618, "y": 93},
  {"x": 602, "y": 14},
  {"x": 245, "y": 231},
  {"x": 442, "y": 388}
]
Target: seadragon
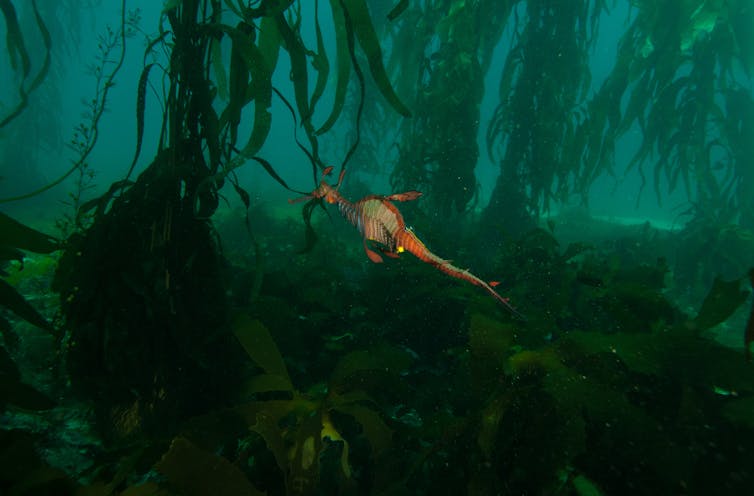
[{"x": 382, "y": 227}]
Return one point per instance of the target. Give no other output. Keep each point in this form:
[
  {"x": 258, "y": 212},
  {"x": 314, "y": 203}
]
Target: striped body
[
  {"x": 381, "y": 224},
  {"x": 379, "y": 221},
  {"x": 376, "y": 219}
]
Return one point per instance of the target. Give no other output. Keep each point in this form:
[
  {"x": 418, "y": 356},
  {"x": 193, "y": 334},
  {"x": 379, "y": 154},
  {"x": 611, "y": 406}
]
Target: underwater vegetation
[
  {"x": 17, "y": 237},
  {"x": 196, "y": 349}
]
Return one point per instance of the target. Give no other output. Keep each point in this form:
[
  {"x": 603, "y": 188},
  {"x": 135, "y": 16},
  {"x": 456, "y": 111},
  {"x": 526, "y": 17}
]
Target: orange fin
[
  {"x": 300, "y": 199},
  {"x": 373, "y": 256},
  {"x": 494, "y": 284},
  {"x": 390, "y": 254},
  {"x": 406, "y": 196}
]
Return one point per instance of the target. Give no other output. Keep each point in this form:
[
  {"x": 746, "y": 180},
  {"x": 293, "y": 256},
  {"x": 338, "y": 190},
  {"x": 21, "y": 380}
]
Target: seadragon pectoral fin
[
  {"x": 390, "y": 254},
  {"x": 405, "y": 196},
  {"x": 373, "y": 255}
]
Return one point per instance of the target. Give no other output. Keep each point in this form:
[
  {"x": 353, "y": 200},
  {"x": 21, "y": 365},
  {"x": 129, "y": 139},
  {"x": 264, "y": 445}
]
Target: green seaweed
[
  {"x": 221, "y": 77},
  {"x": 22, "y": 471},
  {"x": 723, "y": 299},
  {"x": 358, "y": 19},
  {"x": 195, "y": 472},
  {"x": 343, "y": 61},
  {"x": 738, "y": 410},
  {"x": 15, "y": 302},
  {"x": 534, "y": 125},
  {"x": 14, "y": 39},
  {"x": 446, "y": 50},
  {"x": 666, "y": 70},
  {"x": 260, "y": 61},
  {"x": 299, "y": 74},
  {"x": 16, "y": 236},
  {"x": 18, "y": 55},
  {"x": 260, "y": 347},
  {"x": 14, "y": 392},
  {"x": 312, "y": 414},
  {"x": 353, "y": 385},
  {"x": 141, "y": 96},
  {"x": 396, "y": 11},
  {"x": 238, "y": 80},
  {"x": 86, "y": 134},
  {"x": 320, "y": 62}
]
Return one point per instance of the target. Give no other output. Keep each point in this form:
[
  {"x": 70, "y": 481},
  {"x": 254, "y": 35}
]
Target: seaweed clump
[{"x": 147, "y": 317}]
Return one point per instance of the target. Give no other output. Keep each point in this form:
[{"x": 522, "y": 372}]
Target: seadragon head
[{"x": 325, "y": 191}]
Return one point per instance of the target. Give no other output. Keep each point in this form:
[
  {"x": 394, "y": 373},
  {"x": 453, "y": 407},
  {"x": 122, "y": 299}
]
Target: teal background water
[{"x": 169, "y": 345}]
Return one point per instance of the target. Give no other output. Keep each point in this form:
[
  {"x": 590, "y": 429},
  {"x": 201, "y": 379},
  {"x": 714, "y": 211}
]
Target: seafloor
[{"x": 627, "y": 374}]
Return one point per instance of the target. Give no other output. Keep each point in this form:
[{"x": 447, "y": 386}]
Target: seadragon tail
[
  {"x": 380, "y": 222},
  {"x": 408, "y": 241}
]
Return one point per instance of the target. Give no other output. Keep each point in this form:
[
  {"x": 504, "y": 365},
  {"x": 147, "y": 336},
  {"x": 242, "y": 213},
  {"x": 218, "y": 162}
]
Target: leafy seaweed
[
  {"x": 723, "y": 299},
  {"x": 238, "y": 80},
  {"x": 16, "y": 393},
  {"x": 381, "y": 391},
  {"x": 299, "y": 73},
  {"x": 357, "y": 19},
  {"x": 141, "y": 95},
  {"x": 343, "y": 66},
  {"x": 749, "y": 331},
  {"x": 258, "y": 344},
  {"x": 534, "y": 124},
  {"x": 13, "y": 301},
  {"x": 23, "y": 470},
  {"x": 260, "y": 62},
  {"x": 14, "y": 39},
  {"x": 15, "y": 234},
  {"x": 320, "y": 62},
  {"x": 19, "y": 55},
  {"x": 193, "y": 471},
  {"x": 85, "y": 144},
  {"x": 396, "y": 11},
  {"x": 312, "y": 415}
]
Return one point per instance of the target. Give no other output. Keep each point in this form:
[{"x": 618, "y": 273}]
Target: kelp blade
[
  {"x": 259, "y": 345},
  {"x": 17, "y": 235},
  {"x": 722, "y": 300},
  {"x": 344, "y": 66},
  {"x": 13, "y": 301},
  {"x": 361, "y": 24},
  {"x": 195, "y": 472},
  {"x": 396, "y": 11},
  {"x": 320, "y": 62}
]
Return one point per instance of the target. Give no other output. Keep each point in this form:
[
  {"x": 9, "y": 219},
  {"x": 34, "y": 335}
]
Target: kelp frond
[{"x": 19, "y": 57}]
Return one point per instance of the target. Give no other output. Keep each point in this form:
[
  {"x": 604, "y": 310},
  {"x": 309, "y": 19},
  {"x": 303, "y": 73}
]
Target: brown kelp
[
  {"x": 19, "y": 58},
  {"x": 23, "y": 167},
  {"x": 147, "y": 270},
  {"x": 544, "y": 80},
  {"x": 451, "y": 44},
  {"x": 749, "y": 331},
  {"x": 112, "y": 46},
  {"x": 331, "y": 378},
  {"x": 496, "y": 411},
  {"x": 679, "y": 69},
  {"x": 15, "y": 237},
  {"x": 277, "y": 439}
]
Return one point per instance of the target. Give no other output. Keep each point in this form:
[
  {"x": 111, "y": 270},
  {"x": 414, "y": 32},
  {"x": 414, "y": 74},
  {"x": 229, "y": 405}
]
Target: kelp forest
[{"x": 374, "y": 311}]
